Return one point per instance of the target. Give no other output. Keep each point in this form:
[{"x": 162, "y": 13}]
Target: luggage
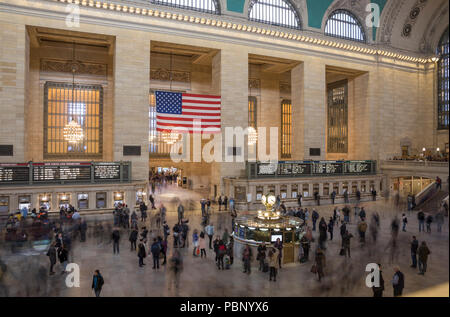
[
  {"x": 266, "y": 267},
  {"x": 314, "y": 269},
  {"x": 342, "y": 252}
]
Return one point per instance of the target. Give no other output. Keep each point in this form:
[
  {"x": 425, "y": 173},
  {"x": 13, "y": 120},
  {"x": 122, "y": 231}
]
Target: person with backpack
[
  {"x": 273, "y": 256},
  {"x": 166, "y": 230},
  {"x": 398, "y": 282},
  {"x": 221, "y": 251},
  {"x": 155, "y": 250},
  {"x": 141, "y": 254},
  {"x": 261, "y": 255},
  {"x": 133, "y": 238},
  {"x": 423, "y": 257},
  {"x": 97, "y": 283}
]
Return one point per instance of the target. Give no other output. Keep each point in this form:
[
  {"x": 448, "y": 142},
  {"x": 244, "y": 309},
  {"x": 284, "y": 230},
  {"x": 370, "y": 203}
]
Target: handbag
[
  {"x": 314, "y": 269},
  {"x": 342, "y": 252},
  {"x": 198, "y": 251}
]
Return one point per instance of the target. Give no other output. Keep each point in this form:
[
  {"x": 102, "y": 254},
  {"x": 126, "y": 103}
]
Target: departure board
[
  {"x": 56, "y": 172},
  {"x": 311, "y": 168},
  {"x": 107, "y": 171},
  {"x": 14, "y": 173}
]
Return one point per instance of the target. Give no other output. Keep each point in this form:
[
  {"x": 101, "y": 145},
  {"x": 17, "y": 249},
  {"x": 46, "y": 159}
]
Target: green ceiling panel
[
  {"x": 316, "y": 11},
  {"x": 236, "y": 5}
]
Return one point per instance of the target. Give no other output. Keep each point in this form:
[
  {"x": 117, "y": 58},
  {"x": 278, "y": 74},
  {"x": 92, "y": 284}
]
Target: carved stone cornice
[
  {"x": 167, "y": 75},
  {"x": 79, "y": 68},
  {"x": 254, "y": 83}
]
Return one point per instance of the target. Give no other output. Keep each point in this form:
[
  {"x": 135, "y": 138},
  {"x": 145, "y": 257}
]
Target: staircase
[{"x": 432, "y": 204}]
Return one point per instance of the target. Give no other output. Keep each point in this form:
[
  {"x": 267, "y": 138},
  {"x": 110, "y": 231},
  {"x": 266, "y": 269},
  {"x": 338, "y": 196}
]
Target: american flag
[{"x": 181, "y": 112}]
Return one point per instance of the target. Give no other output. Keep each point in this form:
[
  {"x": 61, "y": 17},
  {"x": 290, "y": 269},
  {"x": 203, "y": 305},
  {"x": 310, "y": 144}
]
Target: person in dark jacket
[
  {"x": 423, "y": 253},
  {"x": 314, "y": 217},
  {"x": 378, "y": 290},
  {"x": 278, "y": 245},
  {"x": 155, "y": 250},
  {"x": 97, "y": 283},
  {"x": 261, "y": 256},
  {"x": 133, "y": 238},
  {"x": 323, "y": 228},
  {"x": 429, "y": 221},
  {"x": 414, "y": 247},
  {"x": 141, "y": 254},
  {"x": 83, "y": 229},
  {"x": 333, "y": 197},
  {"x": 52, "y": 257},
  {"x": 331, "y": 228},
  {"x": 63, "y": 256},
  {"x": 320, "y": 262},
  {"x": 421, "y": 218},
  {"x": 116, "y": 239},
  {"x": 398, "y": 282}
]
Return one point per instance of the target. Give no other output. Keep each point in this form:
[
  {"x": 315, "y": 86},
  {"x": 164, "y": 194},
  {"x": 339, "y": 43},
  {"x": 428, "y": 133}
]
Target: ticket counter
[
  {"x": 45, "y": 201},
  {"x": 4, "y": 204},
  {"x": 118, "y": 198},
  {"x": 25, "y": 202},
  {"x": 140, "y": 196},
  {"x": 100, "y": 200},
  {"x": 63, "y": 200},
  {"x": 83, "y": 201}
]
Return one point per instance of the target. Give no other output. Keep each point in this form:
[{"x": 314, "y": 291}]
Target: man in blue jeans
[{"x": 414, "y": 247}]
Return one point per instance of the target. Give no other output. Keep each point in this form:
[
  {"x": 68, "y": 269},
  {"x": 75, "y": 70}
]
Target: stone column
[
  {"x": 230, "y": 81},
  {"x": 298, "y": 118},
  {"x": 341, "y": 189},
  {"x": 289, "y": 191},
  {"x": 277, "y": 190},
  {"x": 321, "y": 189},
  {"x": 13, "y": 67},
  {"x": 131, "y": 99},
  {"x": 314, "y": 107},
  {"x": 252, "y": 190},
  {"x": 311, "y": 190},
  {"x": 92, "y": 200}
]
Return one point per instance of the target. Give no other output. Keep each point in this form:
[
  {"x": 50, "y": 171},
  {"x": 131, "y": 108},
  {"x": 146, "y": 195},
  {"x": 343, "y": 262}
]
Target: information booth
[
  {"x": 83, "y": 201},
  {"x": 25, "y": 202},
  {"x": 4, "y": 204},
  {"x": 100, "y": 200}
]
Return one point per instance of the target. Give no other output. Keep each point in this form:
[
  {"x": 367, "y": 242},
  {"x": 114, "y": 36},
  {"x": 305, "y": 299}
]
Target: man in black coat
[
  {"x": 116, "y": 239},
  {"x": 414, "y": 247},
  {"x": 378, "y": 290},
  {"x": 133, "y": 239},
  {"x": 333, "y": 197},
  {"x": 156, "y": 250},
  {"x": 83, "y": 229},
  {"x": 52, "y": 257}
]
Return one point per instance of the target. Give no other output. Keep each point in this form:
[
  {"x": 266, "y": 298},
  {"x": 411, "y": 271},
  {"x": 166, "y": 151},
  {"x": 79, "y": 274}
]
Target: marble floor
[{"x": 27, "y": 275}]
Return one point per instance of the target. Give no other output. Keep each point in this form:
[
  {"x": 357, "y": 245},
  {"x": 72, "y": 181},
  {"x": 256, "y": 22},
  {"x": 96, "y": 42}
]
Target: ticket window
[
  {"x": 272, "y": 190},
  {"x": 83, "y": 201},
  {"x": 294, "y": 191},
  {"x": 363, "y": 187},
  {"x": 100, "y": 199},
  {"x": 326, "y": 189},
  {"x": 316, "y": 188},
  {"x": 345, "y": 187},
  {"x": 64, "y": 200},
  {"x": 372, "y": 185},
  {"x": 118, "y": 198},
  {"x": 140, "y": 196},
  {"x": 4, "y": 204},
  {"x": 336, "y": 188},
  {"x": 354, "y": 187},
  {"x": 25, "y": 202},
  {"x": 283, "y": 192},
  {"x": 259, "y": 192},
  {"x": 45, "y": 201}
]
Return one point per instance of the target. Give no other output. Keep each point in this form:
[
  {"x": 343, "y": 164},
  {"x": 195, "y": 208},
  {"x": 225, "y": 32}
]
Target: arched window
[
  {"x": 208, "y": 6},
  {"x": 443, "y": 71},
  {"x": 345, "y": 25},
  {"x": 274, "y": 12}
]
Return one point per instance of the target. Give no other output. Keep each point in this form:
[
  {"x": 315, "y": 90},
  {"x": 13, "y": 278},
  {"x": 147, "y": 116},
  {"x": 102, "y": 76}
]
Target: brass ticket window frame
[{"x": 337, "y": 128}]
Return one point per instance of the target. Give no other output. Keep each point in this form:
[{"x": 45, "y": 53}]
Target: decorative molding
[
  {"x": 254, "y": 83},
  {"x": 166, "y": 75},
  {"x": 80, "y": 68},
  {"x": 412, "y": 17},
  {"x": 260, "y": 30},
  {"x": 390, "y": 18},
  {"x": 430, "y": 39},
  {"x": 285, "y": 87}
]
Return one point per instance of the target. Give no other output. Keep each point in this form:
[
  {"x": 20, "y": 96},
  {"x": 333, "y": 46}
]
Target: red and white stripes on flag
[{"x": 187, "y": 113}]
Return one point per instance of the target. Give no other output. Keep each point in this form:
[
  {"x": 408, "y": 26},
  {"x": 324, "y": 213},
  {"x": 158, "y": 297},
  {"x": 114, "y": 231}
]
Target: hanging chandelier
[
  {"x": 252, "y": 136},
  {"x": 170, "y": 137},
  {"x": 73, "y": 133}
]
